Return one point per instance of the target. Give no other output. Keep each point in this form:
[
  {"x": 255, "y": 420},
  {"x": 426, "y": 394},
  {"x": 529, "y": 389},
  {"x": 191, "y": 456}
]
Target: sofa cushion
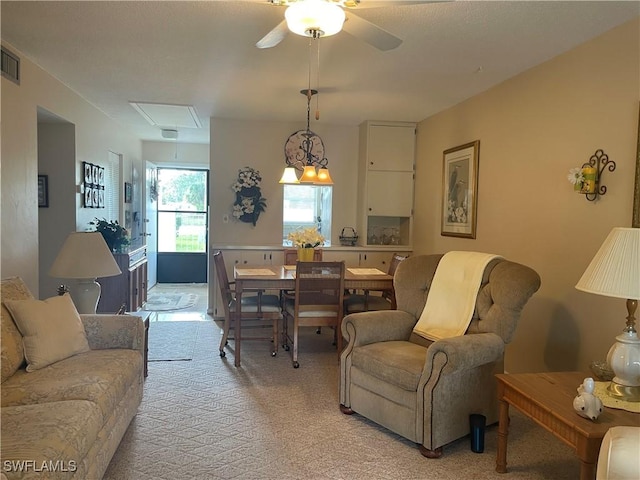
[
  {"x": 101, "y": 376},
  {"x": 49, "y": 437},
  {"x": 397, "y": 362},
  {"x": 51, "y": 329},
  {"x": 12, "y": 356}
]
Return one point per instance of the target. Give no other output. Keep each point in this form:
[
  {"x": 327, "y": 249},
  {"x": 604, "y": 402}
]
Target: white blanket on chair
[{"x": 452, "y": 297}]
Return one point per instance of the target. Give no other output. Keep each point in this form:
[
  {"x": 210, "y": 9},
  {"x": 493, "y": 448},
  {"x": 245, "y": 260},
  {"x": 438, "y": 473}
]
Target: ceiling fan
[{"x": 316, "y": 18}]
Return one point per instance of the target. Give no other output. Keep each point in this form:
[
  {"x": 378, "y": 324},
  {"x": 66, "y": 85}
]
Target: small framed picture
[
  {"x": 101, "y": 176},
  {"x": 460, "y": 190},
  {"x": 88, "y": 197},
  {"x": 94, "y": 174},
  {"x": 127, "y": 192},
  {"x": 43, "y": 191},
  {"x": 101, "y": 198},
  {"x": 88, "y": 173}
]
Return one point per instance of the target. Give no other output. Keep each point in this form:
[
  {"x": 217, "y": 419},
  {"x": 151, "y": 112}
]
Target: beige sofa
[{"x": 65, "y": 420}]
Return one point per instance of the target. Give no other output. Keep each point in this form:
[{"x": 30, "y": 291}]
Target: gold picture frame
[{"x": 460, "y": 190}]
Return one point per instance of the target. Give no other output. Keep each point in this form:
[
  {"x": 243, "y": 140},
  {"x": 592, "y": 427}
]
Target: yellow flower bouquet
[{"x": 306, "y": 238}]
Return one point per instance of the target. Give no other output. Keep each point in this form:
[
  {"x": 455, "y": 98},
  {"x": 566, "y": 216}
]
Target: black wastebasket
[{"x": 477, "y": 425}]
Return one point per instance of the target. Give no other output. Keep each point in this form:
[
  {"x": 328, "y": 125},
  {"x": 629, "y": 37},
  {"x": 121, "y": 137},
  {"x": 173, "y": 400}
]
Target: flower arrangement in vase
[
  {"x": 115, "y": 235},
  {"x": 249, "y": 202},
  {"x": 306, "y": 240}
]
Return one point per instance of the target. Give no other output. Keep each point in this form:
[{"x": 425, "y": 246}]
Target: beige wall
[
  {"x": 95, "y": 135},
  {"x": 186, "y": 155},
  {"x": 235, "y": 144},
  {"x": 532, "y": 129}
]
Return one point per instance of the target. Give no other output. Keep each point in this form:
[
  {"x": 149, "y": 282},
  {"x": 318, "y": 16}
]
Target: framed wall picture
[
  {"x": 88, "y": 172},
  {"x": 128, "y": 191},
  {"x": 43, "y": 191},
  {"x": 460, "y": 190},
  {"x": 93, "y": 187},
  {"x": 88, "y": 197}
]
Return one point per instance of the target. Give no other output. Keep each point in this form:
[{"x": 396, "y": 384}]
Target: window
[
  {"x": 305, "y": 206},
  {"x": 182, "y": 210}
]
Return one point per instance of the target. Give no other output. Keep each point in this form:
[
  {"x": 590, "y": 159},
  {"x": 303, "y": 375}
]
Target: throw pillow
[{"x": 51, "y": 329}]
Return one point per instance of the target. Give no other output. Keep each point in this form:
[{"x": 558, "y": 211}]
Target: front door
[{"x": 182, "y": 225}]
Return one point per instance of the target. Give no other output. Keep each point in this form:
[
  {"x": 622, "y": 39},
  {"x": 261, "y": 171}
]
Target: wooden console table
[
  {"x": 129, "y": 289},
  {"x": 547, "y": 399}
]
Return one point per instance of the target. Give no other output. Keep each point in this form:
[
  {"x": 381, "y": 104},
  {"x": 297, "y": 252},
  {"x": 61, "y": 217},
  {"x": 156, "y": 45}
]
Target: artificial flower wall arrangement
[
  {"x": 583, "y": 179},
  {"x": 306, "y": 238},
  {"x": 249, "y": 202},
  {"x": 115, "y": 235}
]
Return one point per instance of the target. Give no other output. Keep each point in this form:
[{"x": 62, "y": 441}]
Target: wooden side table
[{"x": 547, "y": 399}]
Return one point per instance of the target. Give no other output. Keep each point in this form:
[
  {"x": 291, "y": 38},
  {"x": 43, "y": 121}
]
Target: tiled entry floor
[{"x": 193, "y": 314}]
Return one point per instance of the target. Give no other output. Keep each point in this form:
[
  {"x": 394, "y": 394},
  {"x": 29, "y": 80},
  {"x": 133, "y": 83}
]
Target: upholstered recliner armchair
[{"x": 423, "y": 390}]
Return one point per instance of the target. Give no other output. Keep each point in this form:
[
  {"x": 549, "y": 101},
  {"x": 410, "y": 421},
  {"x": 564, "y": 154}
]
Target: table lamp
[
  {"x": 615, "y": 272},
  {"x": 85, "y": 256}
]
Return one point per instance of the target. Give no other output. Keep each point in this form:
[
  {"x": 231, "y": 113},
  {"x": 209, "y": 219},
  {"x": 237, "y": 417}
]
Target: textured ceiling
[{"x": 203, "y": 54}]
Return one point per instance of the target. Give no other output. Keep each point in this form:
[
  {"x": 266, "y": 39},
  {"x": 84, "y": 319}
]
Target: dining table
[{"x": 282, "y": 277}]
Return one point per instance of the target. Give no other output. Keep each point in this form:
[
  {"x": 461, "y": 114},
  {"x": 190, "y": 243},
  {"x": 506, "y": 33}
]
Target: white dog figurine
[{"x": 586, "y": 403}]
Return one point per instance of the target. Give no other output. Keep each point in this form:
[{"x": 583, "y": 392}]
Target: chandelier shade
[
  {"x": 289, "y": 176},
  {"x": 323, "y": 177}
]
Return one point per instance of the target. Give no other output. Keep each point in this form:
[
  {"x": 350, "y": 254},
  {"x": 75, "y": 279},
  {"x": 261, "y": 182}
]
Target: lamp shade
[
  {"x": 308, "y": 174},
  {"x": 314, "y": 15},
  {"x": 323, "y": 177},
  {"x": 289, "y": 176},
  {"x": 615, "y": 269},
  {"x": 84, "y": 255}
]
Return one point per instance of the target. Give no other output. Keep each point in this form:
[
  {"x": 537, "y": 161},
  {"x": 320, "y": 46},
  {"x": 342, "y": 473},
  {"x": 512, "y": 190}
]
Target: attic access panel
[{"x": 167, "y": 115}]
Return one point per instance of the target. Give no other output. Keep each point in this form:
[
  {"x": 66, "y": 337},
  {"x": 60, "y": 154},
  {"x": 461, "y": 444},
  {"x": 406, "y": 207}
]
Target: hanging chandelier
[{"x": 304, "y": 149}]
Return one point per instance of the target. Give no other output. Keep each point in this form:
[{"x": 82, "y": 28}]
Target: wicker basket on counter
[{"x": 348, "y": 237}]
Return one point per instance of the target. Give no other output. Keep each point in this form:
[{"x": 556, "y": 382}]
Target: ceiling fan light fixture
[{"x": 314, "y": 17}]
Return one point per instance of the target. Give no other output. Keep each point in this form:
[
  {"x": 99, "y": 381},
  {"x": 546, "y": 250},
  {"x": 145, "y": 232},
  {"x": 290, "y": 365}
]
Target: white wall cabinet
[{"x": 386, "y": 183}]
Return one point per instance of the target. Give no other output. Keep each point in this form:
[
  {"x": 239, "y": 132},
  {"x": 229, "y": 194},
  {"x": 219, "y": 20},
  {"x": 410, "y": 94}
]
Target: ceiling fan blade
[
  {"x": 274, "y": 37},
  {"x": 389, "y": 3},
  {"x": 370, "y": 33}
]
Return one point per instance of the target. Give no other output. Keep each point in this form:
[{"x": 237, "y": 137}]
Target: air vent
[{"x": 10, "y": 66}]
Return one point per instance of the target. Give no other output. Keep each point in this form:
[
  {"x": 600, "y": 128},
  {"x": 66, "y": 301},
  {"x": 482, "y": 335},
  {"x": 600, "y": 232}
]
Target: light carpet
[
  {"x": 167, "y": 301},
  {"x": 171, "y": 341},
  {"x": 206, "y": 419}
]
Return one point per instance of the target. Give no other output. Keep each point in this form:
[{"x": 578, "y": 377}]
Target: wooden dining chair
[
  {"x": 316, "y": 302},
  {"x": 365, "y": 302},
  {"x": 291, "y": 257},
  {"x": 259, "y": 311}
]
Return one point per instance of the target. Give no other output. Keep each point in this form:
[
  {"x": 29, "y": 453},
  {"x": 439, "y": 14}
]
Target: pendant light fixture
[{"x": 304, "y": 149}]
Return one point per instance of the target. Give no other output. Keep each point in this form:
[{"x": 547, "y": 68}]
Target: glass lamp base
[{"x": 624, "y": 392}]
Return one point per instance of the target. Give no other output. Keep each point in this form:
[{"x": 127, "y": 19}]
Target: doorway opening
[{"x": 183, "y": 212}]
